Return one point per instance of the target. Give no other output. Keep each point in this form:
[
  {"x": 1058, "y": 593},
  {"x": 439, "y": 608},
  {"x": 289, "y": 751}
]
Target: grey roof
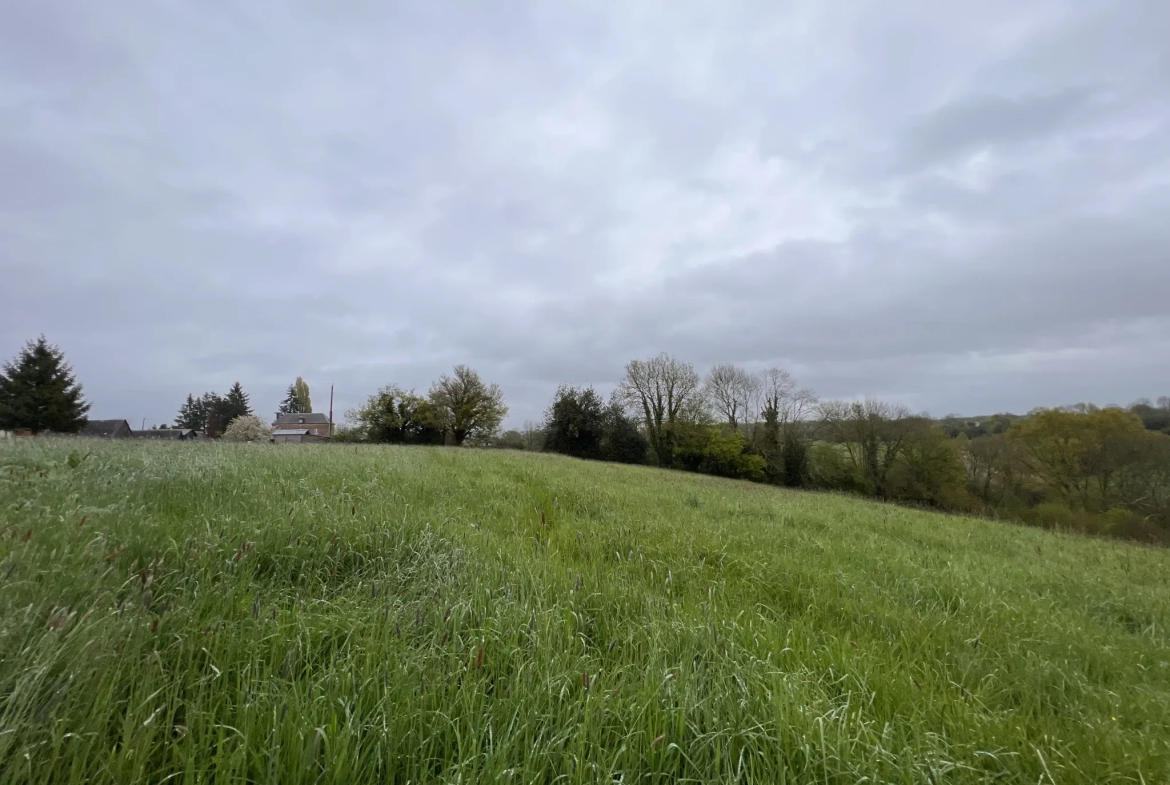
[
  {"x": 103, "y": 427},
  {"x": 165, "y": 433},
  {"x": 311, "y": 418},
  {"x": 291, "y": 432}
]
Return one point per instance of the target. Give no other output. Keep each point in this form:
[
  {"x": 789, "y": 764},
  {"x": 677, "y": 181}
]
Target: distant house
[
  {"x": 107, "y": 429},
  {"x": 316, "y": 424},
  {"x": 168, "y": 434},
  {"x": 296, "y": 436}
]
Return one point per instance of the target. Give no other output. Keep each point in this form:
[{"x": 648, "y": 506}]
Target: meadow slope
[{"x": 330, "y": 614}]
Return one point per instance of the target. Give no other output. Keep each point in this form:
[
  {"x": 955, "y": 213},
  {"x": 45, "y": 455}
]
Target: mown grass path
[{"x": 215, "y": 613}]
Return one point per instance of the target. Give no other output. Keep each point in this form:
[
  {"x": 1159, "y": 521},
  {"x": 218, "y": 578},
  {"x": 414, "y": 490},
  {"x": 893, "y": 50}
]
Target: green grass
[{"x": 215, "y": 613}]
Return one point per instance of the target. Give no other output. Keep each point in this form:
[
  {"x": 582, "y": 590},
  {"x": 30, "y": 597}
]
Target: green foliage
[
  {"x": 832, "y": 469},
  {"x": 351, "y": 434},
  {"x": 622, "y": 441},
  {"x": 717, "y": 451},
  {"x": 296, "y": 399},
  {"x": 235, "y": 404},
  {"x": 210, "y": 413},
  {"x": 510, "y": 440},
  {"x": 575, "y": 423},
  {"x": 580, "y": 424},
  {"x": 192, "y": 414},
  {"x": 464, "y": 406},
  {"x": 340, "y": 615},
  {"x": 874, "y": 435},
  {"x": 395, "y": 416},
  {"x": 303, "y": 399},
  {"x": 793, "y": 456},
  {"x": 930, "y": 470},
  {"x": 39, "y": 392},
  {"x": 1080, "y": 456}
]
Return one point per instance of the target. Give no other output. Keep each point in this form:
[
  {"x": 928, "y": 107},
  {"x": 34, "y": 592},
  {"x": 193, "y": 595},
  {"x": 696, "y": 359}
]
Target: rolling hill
[{"x": 191, "y": 612}]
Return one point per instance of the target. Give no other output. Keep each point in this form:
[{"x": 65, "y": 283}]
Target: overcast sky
[{"x": 963, "y": 206}]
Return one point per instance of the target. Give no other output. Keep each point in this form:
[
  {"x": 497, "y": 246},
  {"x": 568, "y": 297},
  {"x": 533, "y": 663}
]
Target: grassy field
[{"x": 214, "y": 613}]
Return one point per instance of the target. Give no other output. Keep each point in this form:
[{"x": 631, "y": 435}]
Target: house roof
[
  {"x": 310, "y": 418},
  {"x": 103, "y": 427},
  {"x": 164, "y": 433},
  {"x": 291, "y": 432}
]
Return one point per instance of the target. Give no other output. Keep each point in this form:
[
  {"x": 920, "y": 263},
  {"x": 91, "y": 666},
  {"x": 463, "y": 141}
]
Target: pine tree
[
  {"x": 290, "y": 404},
  {"x": 235, "y": 404},
  {"x": 215, "y": 414},
  {"x": 192, "y": 414},
  {"x": 38, "y": 392}
]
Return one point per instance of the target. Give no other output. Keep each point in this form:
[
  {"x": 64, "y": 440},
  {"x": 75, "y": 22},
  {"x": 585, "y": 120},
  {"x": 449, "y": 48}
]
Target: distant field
[{"x": 216, "y": 613}]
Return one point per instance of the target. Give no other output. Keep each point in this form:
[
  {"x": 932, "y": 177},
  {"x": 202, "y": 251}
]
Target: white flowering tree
[{"x": 247, "y": 428}]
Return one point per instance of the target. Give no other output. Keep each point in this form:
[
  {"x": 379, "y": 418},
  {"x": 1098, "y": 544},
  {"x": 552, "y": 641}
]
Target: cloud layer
[{"x": 962, "y": 209}]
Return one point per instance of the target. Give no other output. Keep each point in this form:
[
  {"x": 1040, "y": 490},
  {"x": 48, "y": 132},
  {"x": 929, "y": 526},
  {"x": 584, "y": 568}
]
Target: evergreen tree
[
  {"x": 38, "y": 392},
  {"x": 192, "y": 414},
  {"x": 290, "y": 404},
  {"x": 216, "y": 414},
  {"x": 296, "y": 400},
  {"x": 235, "y": 404}
]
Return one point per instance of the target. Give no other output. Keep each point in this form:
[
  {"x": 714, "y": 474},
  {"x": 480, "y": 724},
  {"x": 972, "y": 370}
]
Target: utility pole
[{"x": 331, "y": 410}]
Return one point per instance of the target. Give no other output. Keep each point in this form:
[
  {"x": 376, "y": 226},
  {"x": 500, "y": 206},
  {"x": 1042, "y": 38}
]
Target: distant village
[{"x": 295, "y": 428}]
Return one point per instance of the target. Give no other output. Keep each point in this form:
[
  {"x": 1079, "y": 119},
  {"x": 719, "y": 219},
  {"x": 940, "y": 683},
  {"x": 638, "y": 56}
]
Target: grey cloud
[
  {"x": 981, "y": 122},
  {"x": 375, "y": 192}
]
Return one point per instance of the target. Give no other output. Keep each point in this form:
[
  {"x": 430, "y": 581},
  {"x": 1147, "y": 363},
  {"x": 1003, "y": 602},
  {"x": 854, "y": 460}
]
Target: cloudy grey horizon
[{"x": 951, "y": 206}]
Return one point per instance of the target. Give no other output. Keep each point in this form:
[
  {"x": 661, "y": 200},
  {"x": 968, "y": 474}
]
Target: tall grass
[{"x": 215, "y": 613}]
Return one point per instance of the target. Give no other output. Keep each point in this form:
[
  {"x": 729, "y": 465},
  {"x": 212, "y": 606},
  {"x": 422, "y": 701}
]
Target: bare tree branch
[{"x": 663, "y": 391}]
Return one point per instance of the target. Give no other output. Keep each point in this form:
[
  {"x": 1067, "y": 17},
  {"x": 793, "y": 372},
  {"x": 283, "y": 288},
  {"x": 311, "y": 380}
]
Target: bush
[
  {"x": 830, "y": 469},
  {"x": 713, "y": 451},
  {"x": 348, "y": 435},
  {"x": 247, "y": 429},
  {"x": 930, "y": 471}
]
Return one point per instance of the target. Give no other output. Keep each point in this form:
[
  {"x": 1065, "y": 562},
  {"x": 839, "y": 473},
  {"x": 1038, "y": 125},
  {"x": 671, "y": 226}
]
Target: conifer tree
[
  {"x": 235, "y": 404},
  {"x": 290, "y": 404},
  {"x": 38, "y": 391},
  {"x": 191, "y": 415}
]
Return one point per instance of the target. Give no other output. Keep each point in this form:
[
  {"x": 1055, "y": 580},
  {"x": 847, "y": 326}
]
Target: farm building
[
  {"x": 107, "y": 429},
  {"x": 315, "y": 424},
  {"x": 296, "y": 436}
]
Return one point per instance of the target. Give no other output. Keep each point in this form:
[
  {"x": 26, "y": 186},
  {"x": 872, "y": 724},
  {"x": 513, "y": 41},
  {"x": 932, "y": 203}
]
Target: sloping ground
[{"x": 353, "y": 614}]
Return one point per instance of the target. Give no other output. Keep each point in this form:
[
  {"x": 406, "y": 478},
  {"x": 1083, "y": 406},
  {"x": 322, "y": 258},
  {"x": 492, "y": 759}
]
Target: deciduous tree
[
  {"x": 396, "y": 416},
  {"x": 873, "y": 434},
  {"x": 247, "y": 428},
  {"x": 574, "y": 423},
  {"x": 665, "y": 392},
  {"x": 733, "y": 392},
  {"x": 465, "y": 406}
]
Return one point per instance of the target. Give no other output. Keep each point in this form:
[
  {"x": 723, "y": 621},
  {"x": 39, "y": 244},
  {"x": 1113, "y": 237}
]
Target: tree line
[
  {"x": 1085, "y": 468},
  {"x": 1099, "y": 470}
]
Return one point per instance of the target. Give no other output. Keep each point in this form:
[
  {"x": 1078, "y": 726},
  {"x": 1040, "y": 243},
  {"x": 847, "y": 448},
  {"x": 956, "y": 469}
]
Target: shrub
[
  {"x": 830, "y": 469},
  {"x": 247, "y": 428}
]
